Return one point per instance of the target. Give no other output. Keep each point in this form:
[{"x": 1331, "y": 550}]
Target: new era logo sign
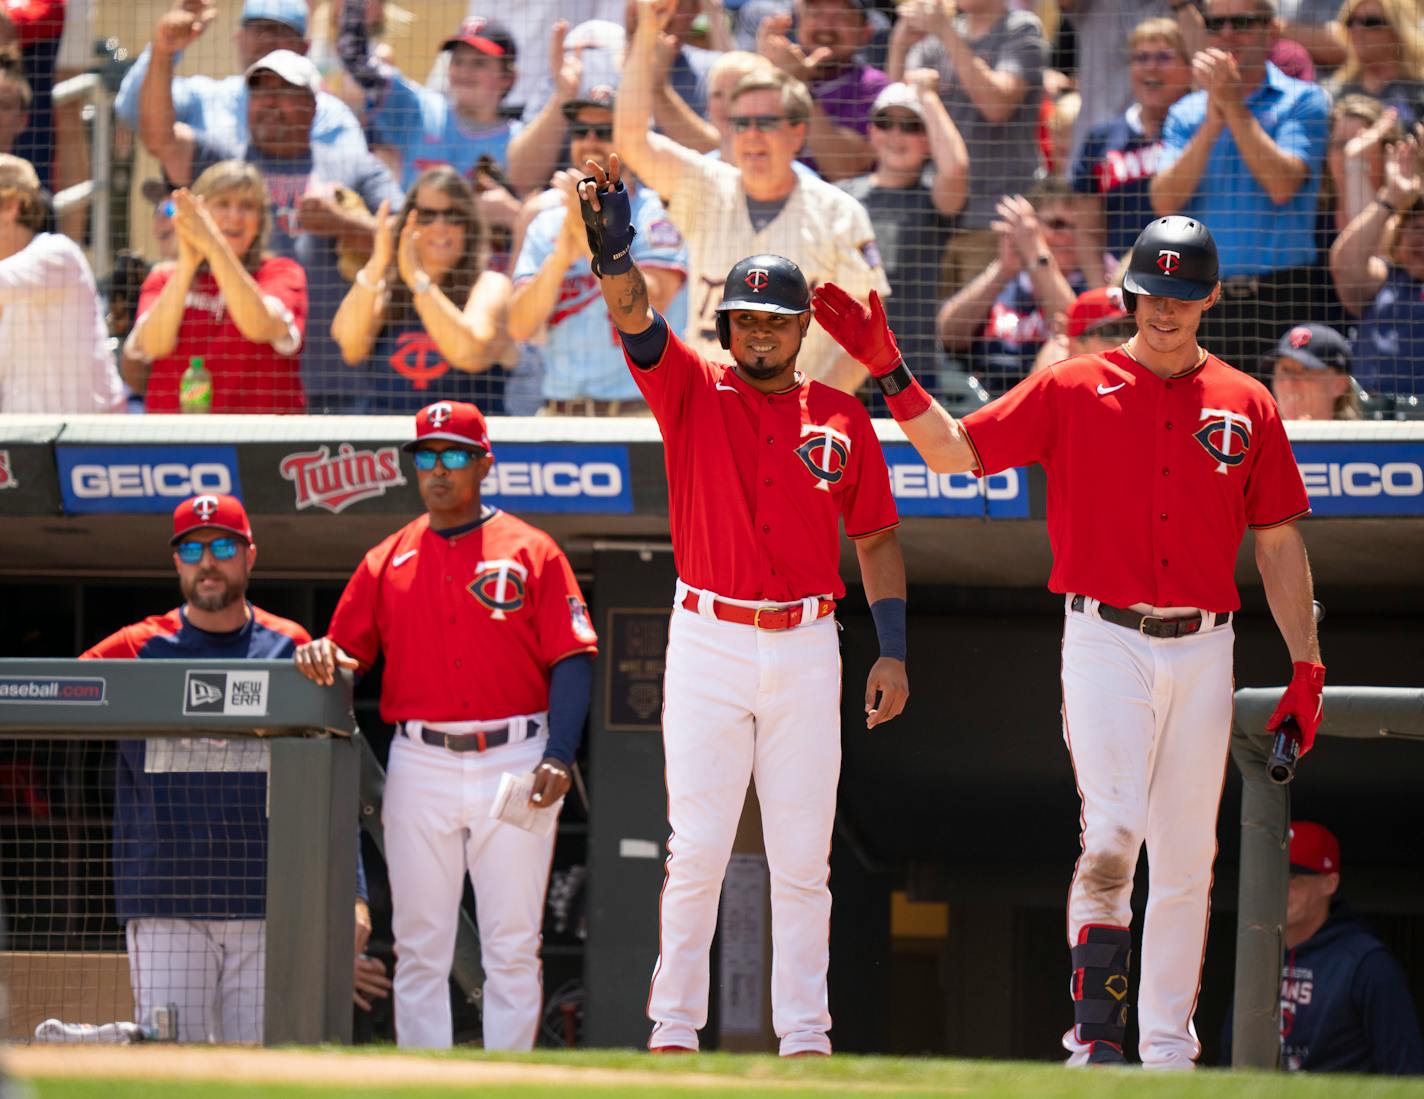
[{"x": 231, "y": 694}]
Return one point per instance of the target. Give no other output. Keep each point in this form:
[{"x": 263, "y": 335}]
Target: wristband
[
  {"x": 1391, "y": 207},
  {"x": 421, "y": 284},
  {"x": 889, "y": 616},
  {"x": 364, "y": 281},
  {"x": 904, "y": 396}
]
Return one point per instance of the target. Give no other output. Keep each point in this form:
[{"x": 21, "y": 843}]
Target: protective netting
[{"x": 982, "y": 166}]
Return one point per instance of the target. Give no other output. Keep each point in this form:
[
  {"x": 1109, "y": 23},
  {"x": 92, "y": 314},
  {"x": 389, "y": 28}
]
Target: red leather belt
[{"x": 773, "y": 616}]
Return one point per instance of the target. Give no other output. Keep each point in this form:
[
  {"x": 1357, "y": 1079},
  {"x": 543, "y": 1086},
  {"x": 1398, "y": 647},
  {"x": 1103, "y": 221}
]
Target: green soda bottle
[{"x": 195, "y": 387}]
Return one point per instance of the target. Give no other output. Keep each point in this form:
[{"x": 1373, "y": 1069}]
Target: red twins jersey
[
  {"x": 758, "y": 483},
  {"x": 470, "y": 625},
  {"x": 1151, "y": 481}
]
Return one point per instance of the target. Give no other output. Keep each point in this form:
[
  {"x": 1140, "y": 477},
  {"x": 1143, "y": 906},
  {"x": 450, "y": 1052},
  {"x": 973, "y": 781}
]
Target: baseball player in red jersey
[
  {"x": 763, "y": 466},
  {"x": 488, "y": 663},
  {"x": 1158, "y": 456}
]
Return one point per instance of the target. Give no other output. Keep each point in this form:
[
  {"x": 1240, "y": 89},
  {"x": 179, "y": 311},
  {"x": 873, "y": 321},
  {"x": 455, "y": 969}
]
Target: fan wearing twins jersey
[
  {"x": 488, "y": 664},
  {"x": 1158, "y": 457},
  {"x": 763, "y": 467}
]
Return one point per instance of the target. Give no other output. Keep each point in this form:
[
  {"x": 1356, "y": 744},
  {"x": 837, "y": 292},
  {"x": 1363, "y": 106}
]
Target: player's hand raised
[
  {"x": 887, "y": 689},
  {"x": 319, "y": 659},
  {"x": 863, "y": 331},
  {"x": 551, "y": 782}
]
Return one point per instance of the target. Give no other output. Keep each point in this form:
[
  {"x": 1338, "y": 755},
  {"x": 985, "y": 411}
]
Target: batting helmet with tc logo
[
  {"x": 1174, "y": 257},
  {"x": 765, "y": 284}
]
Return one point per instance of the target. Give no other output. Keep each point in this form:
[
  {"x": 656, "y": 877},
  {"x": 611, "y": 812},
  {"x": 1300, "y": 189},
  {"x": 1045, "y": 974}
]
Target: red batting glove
[
  {"x": 1303, "y": 702},
  {"x": 864, "y": 333}
]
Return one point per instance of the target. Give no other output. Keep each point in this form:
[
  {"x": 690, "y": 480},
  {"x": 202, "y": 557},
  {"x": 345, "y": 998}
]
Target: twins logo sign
[
  {"x": 826, "y": 454},
  {"x": 499, "y": 585},
  {"x": 1234, "y": 430}
]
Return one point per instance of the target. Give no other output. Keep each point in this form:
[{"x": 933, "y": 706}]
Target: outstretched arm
[
  {"x": 882, "y": 571},
  {"x": 608, "y": 219}
]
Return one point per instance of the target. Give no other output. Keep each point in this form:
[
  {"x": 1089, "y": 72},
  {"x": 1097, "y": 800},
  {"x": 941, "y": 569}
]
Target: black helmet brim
[
  {"x": 758, "y": 305},
  {"x": 1165, "y": 286}
]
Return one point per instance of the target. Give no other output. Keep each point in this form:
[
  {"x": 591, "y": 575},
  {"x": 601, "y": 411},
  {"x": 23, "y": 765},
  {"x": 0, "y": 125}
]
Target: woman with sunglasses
[
  {"x": 225, "y": 299},
  {"x": 425, "y": 319},
  {"x": 1384, "y": 56}
]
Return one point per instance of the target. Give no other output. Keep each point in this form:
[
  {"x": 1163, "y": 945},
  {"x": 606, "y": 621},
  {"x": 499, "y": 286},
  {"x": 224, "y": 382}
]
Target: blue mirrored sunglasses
[
  {"x": 451, "y": 459},
  {"x": 224, "y": 549}
]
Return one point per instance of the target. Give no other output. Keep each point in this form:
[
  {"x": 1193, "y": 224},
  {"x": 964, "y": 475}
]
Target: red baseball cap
[
  {"x": 1313, "y": 849},
  {"x": 215, "y": 512},
  {"x": 1093, "y": 309},
  {"x": 488, "y": 37},
  {"x": 456, "y": 421}
]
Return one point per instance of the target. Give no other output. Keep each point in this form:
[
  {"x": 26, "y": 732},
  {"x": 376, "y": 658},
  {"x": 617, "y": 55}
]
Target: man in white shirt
[{"x": 53, "y": 345}]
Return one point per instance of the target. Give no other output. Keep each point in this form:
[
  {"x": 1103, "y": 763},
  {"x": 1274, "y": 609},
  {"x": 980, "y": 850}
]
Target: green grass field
[{"x": 627, "y": 1075}]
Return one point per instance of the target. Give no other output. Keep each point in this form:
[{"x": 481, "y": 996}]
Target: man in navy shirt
[
  {"x": 190, "y": 815},
  {"x": 1345, "y": 1003}
]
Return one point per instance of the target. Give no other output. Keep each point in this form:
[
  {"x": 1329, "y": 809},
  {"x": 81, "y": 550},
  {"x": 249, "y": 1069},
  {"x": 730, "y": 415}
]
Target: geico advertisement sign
[
  {"x": 919, "y": 491},
  {"x": 560, "y": 478},
  {"x": 142, "y": 479},
  {"x": 1362, "y": 478}
]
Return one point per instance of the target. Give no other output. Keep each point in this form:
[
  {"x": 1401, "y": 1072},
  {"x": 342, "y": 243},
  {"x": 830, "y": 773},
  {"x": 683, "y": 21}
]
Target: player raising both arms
[
  {"x": 1158, "y": 456},
  {"x": 763, "y": 465}
]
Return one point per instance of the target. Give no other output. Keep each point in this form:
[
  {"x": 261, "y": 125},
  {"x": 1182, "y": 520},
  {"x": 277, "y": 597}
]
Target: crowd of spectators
[{"x": 355, "y": 236}]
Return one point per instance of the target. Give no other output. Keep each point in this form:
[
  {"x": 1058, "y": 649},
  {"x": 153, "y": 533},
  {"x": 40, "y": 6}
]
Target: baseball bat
[{"x": 1285, "y": 748}]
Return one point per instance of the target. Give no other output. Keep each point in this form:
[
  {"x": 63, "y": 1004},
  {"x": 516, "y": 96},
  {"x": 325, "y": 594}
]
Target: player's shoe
[{"x": 1106, "y": 1053}]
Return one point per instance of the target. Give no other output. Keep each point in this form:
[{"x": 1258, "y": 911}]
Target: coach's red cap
[
  {"x": 484, "y": 35},
  {"x": 1094, "y": 308},
  {"x": 218, "y": 512},
  {"x": 456, "y": 421},
  {"x": 1313, "y": 849}
]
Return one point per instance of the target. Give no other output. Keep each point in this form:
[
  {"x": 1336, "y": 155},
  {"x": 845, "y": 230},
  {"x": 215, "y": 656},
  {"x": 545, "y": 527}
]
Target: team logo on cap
[
  {"x": 438, "y": 413},
  {"x": 205, "y": 507},
  {"x": 500, "y": 586},
  {"x": 1234, "y": 430},
  {"x": 826, "y": 454},
  {"x": 758, "y": 278},
  {"x": 1299, "y": 336},
  {"x": 1168, "y": 261}
]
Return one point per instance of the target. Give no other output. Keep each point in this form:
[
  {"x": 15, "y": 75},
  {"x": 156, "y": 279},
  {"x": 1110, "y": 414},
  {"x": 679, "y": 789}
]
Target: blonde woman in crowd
[{"x": 1384, "y": 55}]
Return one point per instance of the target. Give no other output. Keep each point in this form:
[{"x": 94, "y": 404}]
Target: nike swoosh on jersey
[
  {"x": 401, "y": 558},
  {"x": 727, "y": 388},
  {"x": 1104, "y": 390}
]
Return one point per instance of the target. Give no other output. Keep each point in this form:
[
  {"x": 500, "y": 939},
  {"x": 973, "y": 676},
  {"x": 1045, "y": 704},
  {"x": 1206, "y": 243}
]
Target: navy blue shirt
[
  {"x": 1389, "y": 343},
  {"x": 190, "y": 814},
  {"x": 1345, "y": 1004},
  {"x": 1117, "y": 162}
]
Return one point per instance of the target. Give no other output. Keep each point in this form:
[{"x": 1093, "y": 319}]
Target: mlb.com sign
[{"x": 113, "y": 480}]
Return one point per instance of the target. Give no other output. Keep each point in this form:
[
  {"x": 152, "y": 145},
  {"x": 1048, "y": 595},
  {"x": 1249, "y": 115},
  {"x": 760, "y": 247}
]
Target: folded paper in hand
[{"x": 511, "y": 805}]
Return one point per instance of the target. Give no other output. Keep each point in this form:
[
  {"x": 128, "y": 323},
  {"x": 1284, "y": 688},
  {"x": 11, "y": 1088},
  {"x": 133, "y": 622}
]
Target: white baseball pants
[
  {"x": 437, "y": 825},
  {"x": 1148, "y": 723},
  {"x": 743, "y": 704},
  {"x": 215, "y": 971}
]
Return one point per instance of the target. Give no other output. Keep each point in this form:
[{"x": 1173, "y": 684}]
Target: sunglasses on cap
[
  {"x": 762, "y": 123},
  {"x": 424, "y": 215},
  {"x": 451, "y": 459},
  {"x": 904, "y": 125},
  {"x": 191, "y": 551},
  {"x": 600, "y": 131},
  {"x": 1215, "y": 24}
]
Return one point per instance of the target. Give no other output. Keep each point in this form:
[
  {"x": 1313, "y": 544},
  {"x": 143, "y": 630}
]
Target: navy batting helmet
[
  {"x": 765, "y": 284},
  {"x": 1174, "y": 257}
]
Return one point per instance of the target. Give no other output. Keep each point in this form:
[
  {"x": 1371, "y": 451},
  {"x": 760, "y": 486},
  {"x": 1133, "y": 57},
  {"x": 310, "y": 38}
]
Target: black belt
[
  {"x": 472, "y": 742},
  {"x": 1152, "y": 625}
]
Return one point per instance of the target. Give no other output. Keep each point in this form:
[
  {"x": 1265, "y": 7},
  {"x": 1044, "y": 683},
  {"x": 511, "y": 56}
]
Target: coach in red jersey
[
  {"x": 1158, "y": 456},
  {"x": 190, "y": 816},
  {"x": 488, "y": 665},
  {"x": 763, "y": 467}
]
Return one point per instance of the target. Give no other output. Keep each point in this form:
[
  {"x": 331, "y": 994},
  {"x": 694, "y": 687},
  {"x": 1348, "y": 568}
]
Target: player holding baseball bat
[{"x": 1158, "y": 456}]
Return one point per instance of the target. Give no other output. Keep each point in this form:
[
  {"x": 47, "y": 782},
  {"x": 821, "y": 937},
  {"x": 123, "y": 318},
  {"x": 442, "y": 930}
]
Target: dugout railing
[
  {"x": 312, "y": 786},
  {"x": 1352, "y": 712}
]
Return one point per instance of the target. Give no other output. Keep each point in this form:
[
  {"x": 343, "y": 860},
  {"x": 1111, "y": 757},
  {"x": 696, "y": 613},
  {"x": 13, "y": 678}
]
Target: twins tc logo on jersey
[
  {"x": 1168, "y": 261},
  {"x": 205, "y": 507},
  {"x": 826, "y": 454},
  {"x": 500, "y": 586},
  {"x": 1226, "y": 437}
]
